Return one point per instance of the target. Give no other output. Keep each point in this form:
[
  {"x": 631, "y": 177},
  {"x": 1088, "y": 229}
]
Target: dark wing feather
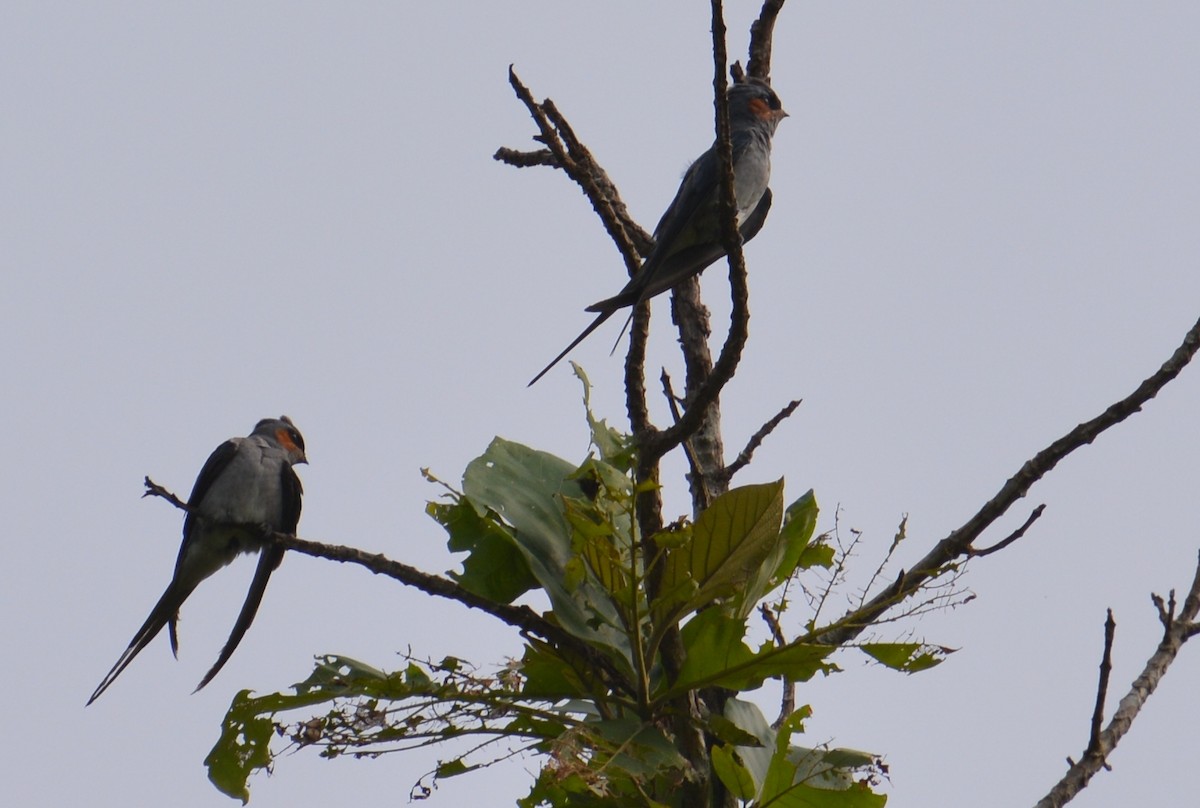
[
  {"x": 293, "y": 492},
  {"x": 696, "y": 258},
  {"x": 216, "y": 464}
]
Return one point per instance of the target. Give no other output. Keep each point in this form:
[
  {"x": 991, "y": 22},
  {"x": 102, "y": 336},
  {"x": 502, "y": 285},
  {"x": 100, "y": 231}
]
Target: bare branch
[
  {"x": 958, "y": 543},
  {"x": 576, "y": 160},
  {"x": 153, "y": 489},
  {"x": 762, "y": 32},
  {"x": 691, "y": 318},
  {"x": 743, "y": 458},
  {"x": 1012, "y": 537},
  {"x": 1178, "y": 631},
  {"x": 1110, "y": 631},
  {"x": 636, "y": 406},
  {"x": 520, "y": 159}
]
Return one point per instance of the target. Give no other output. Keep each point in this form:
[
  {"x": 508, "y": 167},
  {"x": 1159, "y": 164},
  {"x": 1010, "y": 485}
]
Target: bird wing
[
  {"x": 213, "y": 468},
  {"x": 694, "y": 259},
  {"x": 216, "y": 464},
  {"x": 686, "y": 239}
]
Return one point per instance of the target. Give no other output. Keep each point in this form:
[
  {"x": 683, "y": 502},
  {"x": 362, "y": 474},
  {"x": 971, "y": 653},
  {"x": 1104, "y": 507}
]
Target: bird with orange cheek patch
[
  {"x": 688, "y": 237},
  {"x": 246, "y": 490}
]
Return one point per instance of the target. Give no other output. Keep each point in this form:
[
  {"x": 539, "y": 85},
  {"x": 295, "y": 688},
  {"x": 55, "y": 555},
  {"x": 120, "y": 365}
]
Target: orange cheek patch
[
  {"x": 285, "y": 440},
  {"x": 759, "y": 108}
]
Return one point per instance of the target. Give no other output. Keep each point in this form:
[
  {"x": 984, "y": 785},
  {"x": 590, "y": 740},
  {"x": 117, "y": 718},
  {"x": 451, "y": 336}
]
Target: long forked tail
[
  {"x": 166, "y": 608},
  {"x": 268, "y": 560},
  {"x": 600, "y": 318}
]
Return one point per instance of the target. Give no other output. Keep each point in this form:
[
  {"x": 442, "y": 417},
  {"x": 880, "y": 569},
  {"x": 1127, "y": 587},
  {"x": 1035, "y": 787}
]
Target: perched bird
[
  {"x": 688, "y": 237},
  {"x": 246, "y": 489}
]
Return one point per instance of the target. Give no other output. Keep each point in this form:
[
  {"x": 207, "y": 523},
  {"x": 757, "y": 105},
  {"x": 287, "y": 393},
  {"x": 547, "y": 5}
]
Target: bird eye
[{"x": 296, "y": 439}]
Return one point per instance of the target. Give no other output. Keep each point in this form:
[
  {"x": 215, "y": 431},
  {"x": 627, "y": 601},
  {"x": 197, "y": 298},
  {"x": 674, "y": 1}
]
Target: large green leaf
[
  {"x": 244, "y": 746},
  {"x": 717, "y": 657},
  {"x": 730, "y": 542},
  {"x": 523, "y": 486},
  {"x": 799, "y": 522},
  {"x": 635, "y": 746},
  {"x": 495, "y": 567},
  {"x": 733, "y": 773}
]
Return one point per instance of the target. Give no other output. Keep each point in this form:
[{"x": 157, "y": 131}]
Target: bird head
[
  {"x": 283, "y": 432},
  {"x": 754, "y": 103}
]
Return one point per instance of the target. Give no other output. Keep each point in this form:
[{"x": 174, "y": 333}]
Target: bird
[
  {"x": 246, "y": 490},
  {"x": 688, "y": 237}
]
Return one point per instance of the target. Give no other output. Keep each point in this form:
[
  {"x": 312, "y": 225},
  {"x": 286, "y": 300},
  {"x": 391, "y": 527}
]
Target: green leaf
[
  {"x": 717, "y": 657},
  {"x": 733, "y": 774},
  {"x": 730, "y": 542},
  {"x": 910, "y": 657},
  {"x": 548, "y": 675},
  {"x": 638, "y": 747},
  {"x": 757, "y": 756},
  {"x": 244, "y": 745},
  {"x": 816, "y": 554},
  {"x": 799, "y": 777},
  {"x": 730, "y": 733},
  {"x": 616, "y": 448},
  {"x": 451, "y": 768},
  {"x": 781, "y": 773},
  {"x": 799, "y": 521},
  {"x": 856, "y": 795},
  {"x": 495, "y": 567},
  {"x": 524, "y": 487}
]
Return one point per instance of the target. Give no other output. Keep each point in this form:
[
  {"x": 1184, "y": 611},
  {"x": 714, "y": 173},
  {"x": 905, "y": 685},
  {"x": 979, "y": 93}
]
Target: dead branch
[
  {"x": 958, "y": 543},
  {"x": 744, "y": 457},
  {"x": 1177, "y": 630}
]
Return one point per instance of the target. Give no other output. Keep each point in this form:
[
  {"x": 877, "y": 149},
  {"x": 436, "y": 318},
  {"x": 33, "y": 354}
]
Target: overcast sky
[{"x": 984, "y": 232}]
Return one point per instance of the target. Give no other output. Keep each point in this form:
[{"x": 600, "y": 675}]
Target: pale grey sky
[{"x": 984, "y": 232}]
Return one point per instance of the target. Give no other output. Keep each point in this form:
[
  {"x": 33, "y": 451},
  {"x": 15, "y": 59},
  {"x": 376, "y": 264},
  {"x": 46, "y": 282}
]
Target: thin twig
[
  {"x": 1178, "y": 630},
  {"x": 1110, "y": 631},
  {"x": 575, "y": 159},
  {"x": 1012, "y": 537},
  {"x": 526, "y": 159},
  {"x": 744, "y": 457}
]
